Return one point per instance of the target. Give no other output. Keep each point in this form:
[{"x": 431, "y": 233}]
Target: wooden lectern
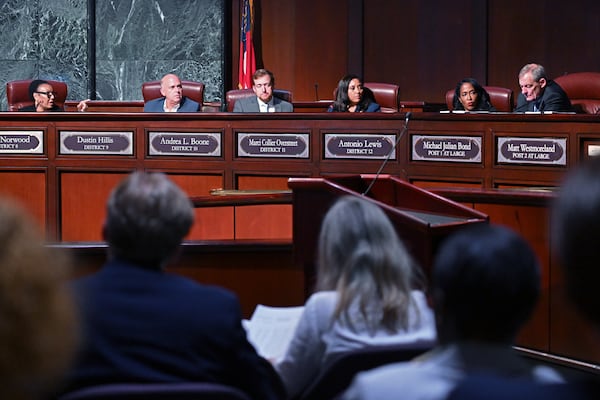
[{"x": 421, "y": 218}]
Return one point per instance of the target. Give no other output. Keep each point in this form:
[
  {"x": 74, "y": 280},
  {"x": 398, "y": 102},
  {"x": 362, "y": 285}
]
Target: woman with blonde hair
[{"x": 365, "y": 297}]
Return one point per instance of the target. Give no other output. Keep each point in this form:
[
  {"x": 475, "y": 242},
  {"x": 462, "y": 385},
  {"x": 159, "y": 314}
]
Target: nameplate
[
  {"x": 98, "y": 143},
  {"x": 359, "y": 146},
  {"x": 21, "y": 142},
  {"x": 204, "y": 144},
  {"x": 459, "y": 149},
  {"x": 273, "y": 145},
  {"x": 540, "y": 151}
]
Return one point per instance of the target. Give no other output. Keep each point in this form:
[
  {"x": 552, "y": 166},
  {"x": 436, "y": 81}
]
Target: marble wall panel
[
  {"x": 45, "y": 39},
  {"x": 136, "y": 41}
]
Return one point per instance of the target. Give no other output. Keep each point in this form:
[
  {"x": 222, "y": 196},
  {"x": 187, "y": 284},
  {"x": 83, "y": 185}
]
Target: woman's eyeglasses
[{"x": 48, "y": 94}]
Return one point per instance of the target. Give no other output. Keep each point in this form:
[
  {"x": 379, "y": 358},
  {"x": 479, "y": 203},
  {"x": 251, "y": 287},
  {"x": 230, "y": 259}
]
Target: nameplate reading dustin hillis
[
  {"x": 97, "y": 143},
  {"x": 359, "y": 146},
  {"x": 460, "y": 149},
  {"x": 205, "y": 144},
  {"x": 539, "y": 151},
  {"x": 273, "y": 145},
  {"x": 21, "y": 142}
]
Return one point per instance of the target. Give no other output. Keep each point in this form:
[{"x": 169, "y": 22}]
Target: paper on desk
[{"x": 270, "y": 329}]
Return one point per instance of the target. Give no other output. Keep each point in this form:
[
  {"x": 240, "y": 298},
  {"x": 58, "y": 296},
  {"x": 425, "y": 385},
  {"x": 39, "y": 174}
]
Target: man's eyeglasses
[{"x": 48, "y": 94}]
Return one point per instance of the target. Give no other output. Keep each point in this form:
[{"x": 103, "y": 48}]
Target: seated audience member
[
  {"x": 263, "y": 83},
  {"x": 575, "y": 235},
  {"x": 351, "y": 96},
  {"x": 364, "y": 295},
  {"x": 173, "y": 99},
  {"x": 42, "y": 94},
  {"x": 486, "y": 282},
  {"x": 469, "y": 95},
  {"x": 538, "y": 93},
  {"x": 143, "y": 324},
  {"x": 38, "y": 329}
]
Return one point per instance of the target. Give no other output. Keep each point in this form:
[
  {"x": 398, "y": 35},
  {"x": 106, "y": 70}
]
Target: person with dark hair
[
  {"x": 351, "y": 96},
  {"x": 365, "y": 294},
  {"x": 575, "y": 233},
  {"x": 485, "y": 284},
  {"x": 42, "y": 94},
  {"x": 263, "y": 84},
  {"x": 469, "y": 95},
  {"x": 172, "y": 99},
  {"x": 39, "y": 329},
  {"x": 538, "y": 93},
  {"x": 142, "y": 324}
]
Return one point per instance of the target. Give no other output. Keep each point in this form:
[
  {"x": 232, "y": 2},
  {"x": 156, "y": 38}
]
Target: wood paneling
[
  {"x": 209, "y": 223},
  {"x": 424, "y": 46},
  {"x": 28, "y": 188},
  {"x": 263, "y": 222},
  {"x": 82, "y": 206}
]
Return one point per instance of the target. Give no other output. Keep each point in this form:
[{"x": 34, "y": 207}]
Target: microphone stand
[{"x": 387, "y": 158}]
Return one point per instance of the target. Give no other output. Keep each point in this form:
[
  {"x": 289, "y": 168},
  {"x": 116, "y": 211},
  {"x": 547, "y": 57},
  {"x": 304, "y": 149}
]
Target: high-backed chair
[
  {"x": 157, "y": 391},
  {"x": 500, "y": 97},
  {"x": 337, "y": 374},
  {"x": 387, "y": 95},
  {"x": 583, "y": 89},
  {"x": 17, "y": 93},
  {"x": 235, "y": 94},
  {"x": 193, "y": 90}
]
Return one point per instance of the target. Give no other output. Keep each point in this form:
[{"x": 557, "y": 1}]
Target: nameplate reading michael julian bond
[
  {"x": 98, "y": 143},
  {"x": 359, "y": 146},
  {"x": 272, "y": 145},
  {"x": 21, "y": 142},
  {"x": 539, "y": 151},
  {"x": 460, "y": 149},
  {"x": 185, "y": 144}
]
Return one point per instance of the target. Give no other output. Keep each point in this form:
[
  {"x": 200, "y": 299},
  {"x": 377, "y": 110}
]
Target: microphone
[
  {"x": 387, "y": 158},
  {"x": 316, "y": 91}
]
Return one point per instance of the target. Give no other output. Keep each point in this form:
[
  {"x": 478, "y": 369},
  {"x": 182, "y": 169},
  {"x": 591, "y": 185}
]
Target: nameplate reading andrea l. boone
[
  {"x": 359, "y": 146},
  {"x": 21, "y": 142},
  {"x": 461, "y": 149},
  {"x": 99, "y": 143},
  {"x": 540, "y": 151},
  {"x": 185, "y": 144},
  {"x": 272, "y": 145}
]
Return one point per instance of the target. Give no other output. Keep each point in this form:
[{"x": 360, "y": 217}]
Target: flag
[{"x": 247, "y": 60}]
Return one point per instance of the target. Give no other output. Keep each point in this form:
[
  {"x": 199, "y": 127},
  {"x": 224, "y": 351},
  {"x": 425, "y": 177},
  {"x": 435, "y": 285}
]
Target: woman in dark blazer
[{"x": 351, "y": 96}]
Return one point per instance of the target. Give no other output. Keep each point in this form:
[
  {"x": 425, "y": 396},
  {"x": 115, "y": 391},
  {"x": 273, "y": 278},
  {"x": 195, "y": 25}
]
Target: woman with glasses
[{"x": 43, "y": 96}]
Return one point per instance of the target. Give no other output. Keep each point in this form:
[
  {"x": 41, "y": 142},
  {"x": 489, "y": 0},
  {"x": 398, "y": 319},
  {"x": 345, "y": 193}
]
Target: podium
[{"x": 422, "y": 219}]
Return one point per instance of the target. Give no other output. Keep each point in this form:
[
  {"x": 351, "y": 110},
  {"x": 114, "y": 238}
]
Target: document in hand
[{"x": 270, "y": 329}]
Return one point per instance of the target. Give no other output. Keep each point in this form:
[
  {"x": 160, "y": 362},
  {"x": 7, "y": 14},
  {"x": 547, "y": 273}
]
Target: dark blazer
[
  {"x": 372, "y": 107},
  {"x": 143, "y": 325},
  {"x": 32, "y": 108},
  {"x": 186, "y": 105},
  {"x": 250, "y": 104},
  {"x": 553, "y": 98}
]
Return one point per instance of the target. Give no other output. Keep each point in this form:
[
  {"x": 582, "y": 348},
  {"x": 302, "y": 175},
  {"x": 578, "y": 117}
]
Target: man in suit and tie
[
  {"x": 263, "y": 83},
  {"x": 539, "y": 93},
  {"x": 173, "y": 99}
]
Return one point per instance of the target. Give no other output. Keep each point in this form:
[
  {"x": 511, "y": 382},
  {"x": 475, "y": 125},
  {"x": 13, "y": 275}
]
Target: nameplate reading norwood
[
  {"x": 460, "y": 149},
  {"x": 98, "y": 143},
  {"x": 205, "y": 144},
  {"x": 359, "y": 146},
  {"x": 21, "y": 142},
  {"x": 539, "y": 151},
  {"x": 273, "y": 145}
]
